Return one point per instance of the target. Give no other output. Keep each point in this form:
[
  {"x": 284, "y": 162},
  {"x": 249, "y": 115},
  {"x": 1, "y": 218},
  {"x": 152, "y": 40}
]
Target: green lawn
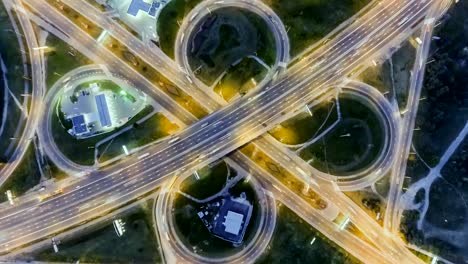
[
  {"x": 25, "y": 176},
  {"x": 238, "y": 79},
  {"x": 52, "y": 171},
  {"x": 309, "y": 21},
  {"x": 378, "y": 77},
  {"x": 304, "y": 127},
  {"x": 393, "y": 76}
]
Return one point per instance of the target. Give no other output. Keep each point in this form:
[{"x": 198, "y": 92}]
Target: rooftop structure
[
  {"x": 99, "y": 107},
  {"x": 139, "y": 15},
  {"x": 79, "y": 125},
  {"x": 150, "y": 8},
  {"x": 136, "y": 6},
  {"x": 232, "y": 219},
  {"x": 103, "y": 110},
  {"x": 233, "y": 223}
]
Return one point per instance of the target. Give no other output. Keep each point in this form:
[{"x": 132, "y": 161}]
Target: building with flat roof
[
  {"x": 137, "y": 5},
  {"x": 232, "y": 219},
  {"x": 233, "y": 223},
  {"x": 103, "y": 110},
  {"x": 79, "y": 125},
  {"x": 100, "y": 107},
  {"x": 140, "y": 15}
]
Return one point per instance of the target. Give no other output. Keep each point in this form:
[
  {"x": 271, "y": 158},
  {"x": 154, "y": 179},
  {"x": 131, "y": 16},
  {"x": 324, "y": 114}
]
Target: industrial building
[
  {"x": 228, "y": 218},
  {"x": 93, "y": 110}
]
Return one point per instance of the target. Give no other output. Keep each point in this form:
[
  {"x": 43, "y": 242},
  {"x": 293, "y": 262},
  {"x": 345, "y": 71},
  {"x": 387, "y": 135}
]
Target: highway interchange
[{"x": 221, "y": 132}]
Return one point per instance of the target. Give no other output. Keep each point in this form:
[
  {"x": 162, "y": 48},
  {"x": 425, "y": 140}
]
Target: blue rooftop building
[
  {"x": 232, "y": 219},
  {"x": 79, "y": 125},
  {"x": 137, "y": 5},
  {"x": 103, "y": 110}
]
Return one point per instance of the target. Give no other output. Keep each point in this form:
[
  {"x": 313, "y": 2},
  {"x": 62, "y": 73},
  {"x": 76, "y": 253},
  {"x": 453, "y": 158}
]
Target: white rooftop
[{"x": 233, "y": 222}]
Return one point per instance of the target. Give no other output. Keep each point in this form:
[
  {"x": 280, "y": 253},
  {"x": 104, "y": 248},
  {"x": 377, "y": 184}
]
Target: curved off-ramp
[
  {"x": 194, "y": 18},
  {"x": 45, "y": 133},
  {"x": 253, "y": 250},
  {"x": 390, "y": 120},
  {"x": 38, "y": 87},
  {"x": 376, "y": 101}
]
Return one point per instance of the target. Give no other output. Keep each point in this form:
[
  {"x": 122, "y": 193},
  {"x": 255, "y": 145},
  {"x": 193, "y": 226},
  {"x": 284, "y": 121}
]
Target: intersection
[{"x": 315, "y": 78}]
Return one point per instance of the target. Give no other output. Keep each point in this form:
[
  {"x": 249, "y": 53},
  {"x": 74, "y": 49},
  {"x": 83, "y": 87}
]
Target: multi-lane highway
[
  {"x": 343, "y": 238},
  {"x": 38, "y": 90},
  {"x": 257, "y": 105},
  {"x": 221, "y": 132},
  {"x": 391, "y": 220}
]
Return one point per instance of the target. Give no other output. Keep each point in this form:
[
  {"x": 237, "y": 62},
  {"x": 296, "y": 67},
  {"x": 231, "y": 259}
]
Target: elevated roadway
[
  {"x": 189, "y": 23},
  {"x": 220, "y": 133},
  {"x": 38, "y": 91},
  {"x": 392, "y": 216},
  {"x": 361, "y": 250}
]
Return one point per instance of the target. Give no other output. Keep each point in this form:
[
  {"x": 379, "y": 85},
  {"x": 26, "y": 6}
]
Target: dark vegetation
[
  {"x": 416, "y": 169},
  {"x": 224, "y": 38},
  {"x": 441, "y": 117},
  {"x": 138, "y": 244},
  {"x": 12, "y": 58},
  {"x": 25, "y": 176},
  {"x": 445, "y": 111},
  {"x": 309, "y": 21},
  {"x": 196, "y": 236},
  {"x": 352, "y": 145},
  {"x": 168, "y": 26}
]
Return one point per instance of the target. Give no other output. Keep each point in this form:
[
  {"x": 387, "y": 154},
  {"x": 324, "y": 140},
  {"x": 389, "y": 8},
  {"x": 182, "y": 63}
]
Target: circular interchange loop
[
  {"x": 255, "y": 6},
  {"x": 44, "y": 130},
  {"x": 250, "y": 252},
  {"x": 382, "y": 164}
]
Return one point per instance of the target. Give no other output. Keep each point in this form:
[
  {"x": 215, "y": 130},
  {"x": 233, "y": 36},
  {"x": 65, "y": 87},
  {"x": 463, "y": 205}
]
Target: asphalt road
[
  {"x": 392, "y": 213},
  {"x": 234, "y": 125},
  {"x": 38, "y": 90},
  {"x": 250, "y": 251},
  {"x": 205, "y": 8}
]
